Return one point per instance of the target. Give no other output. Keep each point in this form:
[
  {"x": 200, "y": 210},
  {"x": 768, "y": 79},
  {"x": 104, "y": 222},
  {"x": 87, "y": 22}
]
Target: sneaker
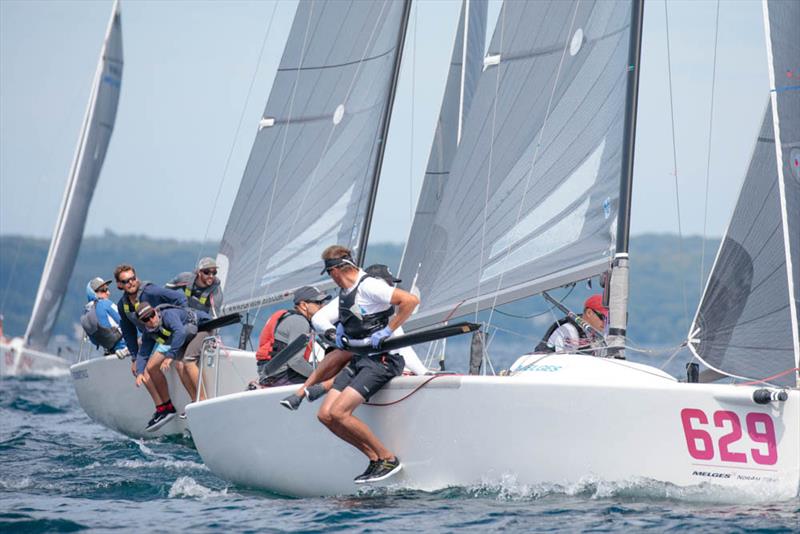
[
  {"x": 384, "y": 470},
  {"x": 159, "y": 419},
  {"x": 182, "y": 416},
  {"x": 314, "y": 392},
  {"x": 360, "y": 479},
  {"x": 292, "y": 402}
]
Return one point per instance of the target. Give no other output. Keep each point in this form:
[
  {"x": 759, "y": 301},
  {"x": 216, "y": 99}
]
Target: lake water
[{"x": 61, "y": 472}]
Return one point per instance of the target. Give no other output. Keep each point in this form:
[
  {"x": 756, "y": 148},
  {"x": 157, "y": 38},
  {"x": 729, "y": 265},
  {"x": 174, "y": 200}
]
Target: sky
[{"x": 194, "y": 69}]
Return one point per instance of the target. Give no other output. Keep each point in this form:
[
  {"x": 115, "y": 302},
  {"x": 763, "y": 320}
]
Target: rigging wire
[
  {"x": 413, "y": 92},
  {"x": 238, "y": 129},
  {"x": 708, "y": 157},
  {"x": 675, "y": 169}
]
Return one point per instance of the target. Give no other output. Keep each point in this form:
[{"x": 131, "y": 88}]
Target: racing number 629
[{"x": 759, "y": 426}]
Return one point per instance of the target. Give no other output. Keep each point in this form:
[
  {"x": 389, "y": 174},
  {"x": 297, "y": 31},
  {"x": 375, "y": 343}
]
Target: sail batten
[
  {"x": 96, "y": 130},
  {"x": 310, "y": 177},
  {"x": 532, "y": 195}
]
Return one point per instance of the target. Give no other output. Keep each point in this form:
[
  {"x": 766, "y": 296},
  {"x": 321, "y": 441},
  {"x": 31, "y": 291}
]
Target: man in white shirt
[
  {"x": 566, "y": 335},
  {"x": 367, "y": 308}
]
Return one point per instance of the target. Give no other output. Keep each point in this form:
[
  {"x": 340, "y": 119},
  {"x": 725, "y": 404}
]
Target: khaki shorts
[{"x": 191, "y": 351}]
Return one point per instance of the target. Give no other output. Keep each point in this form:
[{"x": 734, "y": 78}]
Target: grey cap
[
  {"x": 144, "y": 310},
  {"x": 382, "y": 271},
  {"x": 206, "y": 263},
  {"x": 310, "y": 294},
  {"x": 97, "y": 283}
]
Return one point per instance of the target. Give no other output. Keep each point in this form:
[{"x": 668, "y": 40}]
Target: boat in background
[
  {"x": 28, "y": 355},
  {"x": 538, "y": 196}
]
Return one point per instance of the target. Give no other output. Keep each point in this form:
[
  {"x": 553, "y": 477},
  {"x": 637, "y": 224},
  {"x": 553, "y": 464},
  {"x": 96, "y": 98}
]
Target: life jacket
[
  {"x": 357, "y": 325},
  {"x": 130, "y": 309},
  {"x": 163, "y": 334},
  {"x": 199, "y": 298},
  {"x": 101, "y": 336},
  {"x": 584, "y": 342},
  {"x": 268, "y": 346}
]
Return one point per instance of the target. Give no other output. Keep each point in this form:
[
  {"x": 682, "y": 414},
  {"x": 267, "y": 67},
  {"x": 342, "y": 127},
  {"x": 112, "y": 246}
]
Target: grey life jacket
[
  {"x": 357, "y": 325},
  {"x": 101, "y": 336},
  {"x": 199, "y": 297},
  {"x": 163, "y": 334}
]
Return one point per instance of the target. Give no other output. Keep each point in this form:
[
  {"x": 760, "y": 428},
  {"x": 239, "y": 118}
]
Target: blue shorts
[{"x": 368, "y": 374}]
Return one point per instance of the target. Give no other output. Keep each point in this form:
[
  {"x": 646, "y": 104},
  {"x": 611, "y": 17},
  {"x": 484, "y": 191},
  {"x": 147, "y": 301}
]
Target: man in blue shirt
[
  {"x": 174, "y": 327},
  {"x": 135, "y": 294},
  {"x": 100, "y": 319}
]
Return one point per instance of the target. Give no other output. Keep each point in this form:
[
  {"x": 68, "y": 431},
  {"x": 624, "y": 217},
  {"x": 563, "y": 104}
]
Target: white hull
[
  {"x": 566, "y": 419},
  {"x": 108, "y": 394},
  {"x": 18, "y": 360}
]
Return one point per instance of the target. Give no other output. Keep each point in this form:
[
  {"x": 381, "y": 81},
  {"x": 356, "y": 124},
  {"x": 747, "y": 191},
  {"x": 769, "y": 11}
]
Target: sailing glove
[
  {"x": 379, "y": 336},
  {"x": 339, "y": 335}
]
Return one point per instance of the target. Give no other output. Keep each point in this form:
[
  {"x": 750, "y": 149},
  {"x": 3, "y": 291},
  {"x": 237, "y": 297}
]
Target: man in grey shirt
[{"x": 283, "y": 327}]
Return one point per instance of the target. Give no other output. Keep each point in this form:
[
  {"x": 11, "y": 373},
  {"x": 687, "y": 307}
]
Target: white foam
[
  {"x": 169, "y": 464},
  {"x": 189, "y": 487}
]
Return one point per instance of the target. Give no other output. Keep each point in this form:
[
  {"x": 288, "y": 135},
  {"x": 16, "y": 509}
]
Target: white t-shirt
[
  {"x": 565, "y": 338},
  {"x": 374, "y": 295}
]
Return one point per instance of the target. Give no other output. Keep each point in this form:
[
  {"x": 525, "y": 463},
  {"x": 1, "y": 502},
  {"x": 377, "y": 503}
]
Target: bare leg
[
  {"x": 186, "y": 380},
  {"x": 341, "y": 411},
  {"x": 327, "y": 419},
  {"x": 151, "y": 389},
  {"x": 157, "y": 378},
  {"x": 191, "y": 375},
  {"x": 328, "y": 368}
]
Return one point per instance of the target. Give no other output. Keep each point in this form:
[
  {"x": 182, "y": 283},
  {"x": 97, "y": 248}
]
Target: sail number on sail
[{"x": 760, "y": 429}]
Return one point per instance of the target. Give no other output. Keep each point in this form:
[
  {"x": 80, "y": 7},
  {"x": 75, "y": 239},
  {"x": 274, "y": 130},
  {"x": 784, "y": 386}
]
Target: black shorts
[{"x": 368, "y": 374}]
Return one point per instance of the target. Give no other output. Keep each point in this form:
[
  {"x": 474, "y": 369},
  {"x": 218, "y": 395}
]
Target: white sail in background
[
  {"x": 746, "y": 325},
  {"x": 310, "y": 179},
  {"x": 462, "y": 79},
  {"x": 532, "y": 196},
  {"x": 95, "y": 135}
]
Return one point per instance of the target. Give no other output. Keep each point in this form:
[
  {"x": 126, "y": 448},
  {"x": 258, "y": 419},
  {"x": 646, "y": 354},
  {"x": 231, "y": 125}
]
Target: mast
[
  {"x": 618, "y": 305},
  {"x": 373, "y": 189}
]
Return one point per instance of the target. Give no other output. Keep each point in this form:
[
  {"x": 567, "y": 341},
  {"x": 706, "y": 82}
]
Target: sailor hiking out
[
  {"x": 100, "y": 319},
  {"x": 368, "y": 308},
  {"x": 567, "y": 334},
  {"x": 135, "y": 294},
  {"x": 201, "y": 287}
]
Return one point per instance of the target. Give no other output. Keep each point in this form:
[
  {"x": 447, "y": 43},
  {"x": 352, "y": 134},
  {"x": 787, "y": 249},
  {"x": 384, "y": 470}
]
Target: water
[{"x": 61, "y": 472}]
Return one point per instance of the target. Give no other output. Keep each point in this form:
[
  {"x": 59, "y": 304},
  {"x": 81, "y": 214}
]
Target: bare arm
[{"x": 406, "y": 303}]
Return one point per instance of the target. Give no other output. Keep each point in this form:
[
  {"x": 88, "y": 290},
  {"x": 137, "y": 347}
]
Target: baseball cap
[
  {"x": 145, "y": 311},
  {"x": 206, "y": 263},
  {"x": 97, "y": 283},
  {"x": 595, "y": 302},
  {"x": 382, "y": 271},
  {"x": 310, "y": 294}
]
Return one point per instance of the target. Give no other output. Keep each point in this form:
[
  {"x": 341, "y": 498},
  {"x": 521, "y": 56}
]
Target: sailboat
[
  {"x": 28, "y": 355},
  {"x": 538, "y": 196}
]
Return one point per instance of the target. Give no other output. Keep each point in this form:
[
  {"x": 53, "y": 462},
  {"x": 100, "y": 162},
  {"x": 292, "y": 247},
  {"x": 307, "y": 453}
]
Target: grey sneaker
[
  {"x": 384, "y": 470},
  {"x": 360, "y": 479},
  {"x": 314, "y": 392},
  {"x": 292, "y": 402}
]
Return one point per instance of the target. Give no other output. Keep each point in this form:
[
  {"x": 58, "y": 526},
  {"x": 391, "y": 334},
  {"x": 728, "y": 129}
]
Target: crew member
[
  {"x": 201, "y": 287},
  {"x": 567, "y": 335},
  {"x": 283, "y": 327},
  {"x": 175, "y": 327},
  {"x": 368, "y": 308},
  {"x": 100, "y": 319}
]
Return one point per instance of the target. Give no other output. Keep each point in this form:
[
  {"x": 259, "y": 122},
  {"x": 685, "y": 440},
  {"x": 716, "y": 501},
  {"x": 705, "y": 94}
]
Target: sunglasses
[
  {"x": 126, "y": 281},
  {"x": 148, "y": 318},
  {"x": 103, "y": 290},
  {"x": 329, "y": 270},
  {"x": 600, "y": 315},
  {"x": 208, "y": 271}
]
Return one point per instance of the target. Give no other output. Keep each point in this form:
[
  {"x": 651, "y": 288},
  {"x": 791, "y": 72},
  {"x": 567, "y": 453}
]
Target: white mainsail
[
  {"x": 98, "y": 125},
  {"x": 312, "y": 173},
  {"x": 746, "y": 325}
]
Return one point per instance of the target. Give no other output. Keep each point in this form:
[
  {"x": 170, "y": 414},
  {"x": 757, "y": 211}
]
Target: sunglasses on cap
[
  {"x": 209, "y": 271},
  {"x": 127, "y": 280}
]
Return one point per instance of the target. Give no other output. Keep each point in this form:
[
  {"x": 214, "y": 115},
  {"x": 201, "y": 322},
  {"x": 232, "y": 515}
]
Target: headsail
[
  {"x": 462, "y": 79},
  {"x": 747, "y": 324},
  {"x": 309, "y": 180},
  {"x": 532, "y": 198},
  {"x": 98, "y": 124}
]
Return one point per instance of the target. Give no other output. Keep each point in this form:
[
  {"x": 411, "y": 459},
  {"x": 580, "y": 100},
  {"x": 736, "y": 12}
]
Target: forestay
[
  {"x": 747, "y": 323},
  {"x": 532, "y": 197},
  {"x": 462, "y": 79},
  {"x": 309, "y": 179},
  {"x": 98, "y": 123}
]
